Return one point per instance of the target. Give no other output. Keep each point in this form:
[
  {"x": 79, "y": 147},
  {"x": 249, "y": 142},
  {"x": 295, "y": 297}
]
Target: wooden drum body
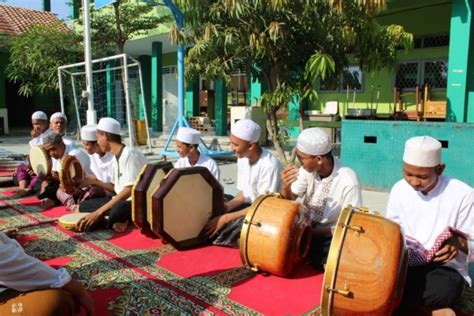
[
  {"x": 276, "y": 235},
  {"x": 70, "y": 173},
  {"x": 183, "y": 204},
  {"x": 39, "y": 161},
  {"x": 366, "y": 267},
  {"x": 70, "y": 221},
  {"x": 145, "y": 186}
]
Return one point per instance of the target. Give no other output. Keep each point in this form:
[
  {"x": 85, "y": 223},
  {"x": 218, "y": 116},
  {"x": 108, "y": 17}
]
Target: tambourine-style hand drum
[
  {"x": 366, "y": 267},
  {"x": 39, "y": 161},
  {"x": 70, "y": 173}
]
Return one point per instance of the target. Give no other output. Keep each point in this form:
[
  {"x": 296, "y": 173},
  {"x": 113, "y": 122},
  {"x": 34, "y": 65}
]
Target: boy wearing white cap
[
  {"x": 257, "y": 173},
  {"x": 27, "y": 181},
  {"x": 58, "y": 124},
  {"x": 427, "y": 205},
  {"x": 51, "y": 193},
  {"x": 324, "y": 184},
  {"x": 101, "y": 161},
  {"x": 126, "y": 167},
  {"x": 187, "y": 141},
  {"x": 39, "y": 120}
]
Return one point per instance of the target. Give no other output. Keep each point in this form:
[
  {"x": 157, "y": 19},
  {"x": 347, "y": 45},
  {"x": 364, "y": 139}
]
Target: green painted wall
[
  {"x": 170, "y": 59},
  {"x": 429, "y": 17},
  {"x": 374, "y": 149}
]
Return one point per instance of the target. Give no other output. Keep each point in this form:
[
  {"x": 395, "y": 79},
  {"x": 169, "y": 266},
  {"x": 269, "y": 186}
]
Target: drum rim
[
  {"x": 134, "y": 187},
  {"x": 49, "y": 164},
  {"x": 68, "y": 225},
  {"x": 244, "y": 234},
  {"x": 334, "y": 255},
  {"x": 67, "y": 159}
]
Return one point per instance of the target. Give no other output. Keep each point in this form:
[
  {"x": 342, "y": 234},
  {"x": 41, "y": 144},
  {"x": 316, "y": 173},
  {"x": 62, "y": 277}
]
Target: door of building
[{"x": 170, "y": 98}]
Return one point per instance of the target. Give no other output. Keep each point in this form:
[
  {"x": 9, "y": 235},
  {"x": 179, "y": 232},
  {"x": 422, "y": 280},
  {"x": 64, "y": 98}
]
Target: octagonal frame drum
[
  {"x": 183, "y": 204},
  {"x": 366, "y": 267},
  {"x": 146, "y": 184}
]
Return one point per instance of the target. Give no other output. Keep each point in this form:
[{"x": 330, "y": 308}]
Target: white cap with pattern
[
  {"x": 422, "y": 151},
  {"x": 109, "y": 125},
  {"x": 313, "y": 141},
  {"x": 39, "y": 115},
  {"x": 88, "y": 133},
  {"x": 247, "y": 130},
  {"x": 188, "y": 135},
  {"x": 58, "y": 115}
]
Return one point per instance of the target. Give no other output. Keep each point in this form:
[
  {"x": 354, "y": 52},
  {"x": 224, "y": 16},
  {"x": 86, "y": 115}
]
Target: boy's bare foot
[
  {"x": 120, "y": 227},
  {"x": 21, "y": 193},
  {"x": 47, "y": 203},
  {"x": 443, "y": 312},
  {"x": 74, "y": 208}
]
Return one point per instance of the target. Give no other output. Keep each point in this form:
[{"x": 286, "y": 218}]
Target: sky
[{"x": 59, "y": 7}]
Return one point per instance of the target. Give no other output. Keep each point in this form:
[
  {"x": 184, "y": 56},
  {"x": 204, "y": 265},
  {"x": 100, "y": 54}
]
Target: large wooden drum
[
  {"x": 275, "y": 236},
  {"x": 185, "y": 201},
  {"x": 70, "y": 173},
  {"x": 366, "y": 266},
  {"x": 145, "y": 186},
  {"x": 39, "y": 161}
]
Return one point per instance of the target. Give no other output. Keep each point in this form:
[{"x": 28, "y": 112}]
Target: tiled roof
[{"x": 15, "y": 21}]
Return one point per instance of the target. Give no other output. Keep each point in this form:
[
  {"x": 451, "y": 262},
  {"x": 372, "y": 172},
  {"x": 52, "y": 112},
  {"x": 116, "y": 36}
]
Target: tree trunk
[
  {"x": 301, "y": 112},
  {"x": 272, "y": 127}
]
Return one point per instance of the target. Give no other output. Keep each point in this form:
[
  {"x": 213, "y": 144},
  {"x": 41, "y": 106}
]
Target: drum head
[
  {"x": 69, "y": 221},
  {"x": 39, "y": 161},
  {"x": 70, "y": 173},
  {"x": 146, "y": 184},
  {"x": 186, "y": 200}
]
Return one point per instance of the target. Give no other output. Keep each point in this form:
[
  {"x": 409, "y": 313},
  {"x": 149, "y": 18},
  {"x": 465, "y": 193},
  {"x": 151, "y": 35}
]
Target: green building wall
[{"x": 422, "y": 18}]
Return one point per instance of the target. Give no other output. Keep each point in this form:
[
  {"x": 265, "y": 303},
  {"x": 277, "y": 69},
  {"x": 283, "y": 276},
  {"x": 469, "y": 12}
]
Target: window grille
[
  {"x": 436, "y": 74},
  {"x": 407, "y": 75},
  {"x": 351, "y": 78}
]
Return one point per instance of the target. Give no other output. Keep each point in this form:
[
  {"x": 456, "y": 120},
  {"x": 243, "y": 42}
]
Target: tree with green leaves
[
  {"x": 288, "y": 45},
  {"x": 36, "y": 55},
  {"x": 111, "y": 27}
]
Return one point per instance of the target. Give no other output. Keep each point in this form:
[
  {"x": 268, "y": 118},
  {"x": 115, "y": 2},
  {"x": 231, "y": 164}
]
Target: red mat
[{"x": 129, "y": 273}]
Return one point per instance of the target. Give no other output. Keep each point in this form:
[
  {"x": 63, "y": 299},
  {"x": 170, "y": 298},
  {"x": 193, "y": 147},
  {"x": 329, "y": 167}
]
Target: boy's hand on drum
[
  {"x": 215, "y": 225},
  {"x": 289, "y": 175},
  {"x": 86, "y": 223}
]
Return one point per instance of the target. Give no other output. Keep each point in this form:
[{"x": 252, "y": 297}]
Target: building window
[
  {"x": 431, "y": 72},
  {"x": 407, "y": 75},
  {"x": 350, "y": 79},
  {"x": 436, "y": 74}
]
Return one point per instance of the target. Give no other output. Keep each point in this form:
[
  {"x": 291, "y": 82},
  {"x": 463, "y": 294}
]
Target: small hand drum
[
  {"x": 69, "y": 221},
  {"x": 70, "y": 173},
  {"x": 39, "y": 161},
  {"x": 183, "y": 204}
]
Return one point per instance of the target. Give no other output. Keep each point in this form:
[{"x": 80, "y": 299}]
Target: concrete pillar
[
  {"x": 221, "y": 107},
  {"x": 74, "y": 9},
  {"x": 46, "y": 5},
  {"x": 157, "y": 86},
  {"x": 145, "y": 62},
  {"x": 255, "y": 90},
  {"x": 192, "y": 98},
  {"x": 460, "y": 90}
]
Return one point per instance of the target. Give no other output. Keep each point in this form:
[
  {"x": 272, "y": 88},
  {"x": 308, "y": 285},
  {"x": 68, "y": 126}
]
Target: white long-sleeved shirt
[
  {"x": 22, "y": 272},
  {"x": 262, "y": 177},
  {"x": 203, "y": 161},
  {"x": 102, "y": 166},
  {"x": 344, "y": 189},
  {"x": 38, "y": 140},
  {"x": 424, "y": 217}
]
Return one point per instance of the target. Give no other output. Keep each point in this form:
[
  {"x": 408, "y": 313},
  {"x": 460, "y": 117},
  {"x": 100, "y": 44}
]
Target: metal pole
[
  {"x": 61, "y": 95},
  {"x": 127, "y": 102},
  {"x": 91, "y": 113},
  {"x": 73, "y": 83},
  {"x": 144, "y": 107}
]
